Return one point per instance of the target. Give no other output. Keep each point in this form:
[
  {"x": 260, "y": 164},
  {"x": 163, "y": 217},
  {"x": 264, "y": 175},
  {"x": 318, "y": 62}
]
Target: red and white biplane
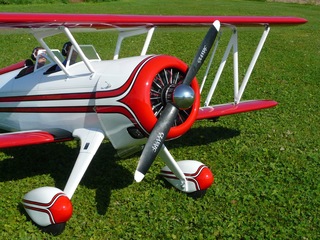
[{"x": 133, "y": 101}]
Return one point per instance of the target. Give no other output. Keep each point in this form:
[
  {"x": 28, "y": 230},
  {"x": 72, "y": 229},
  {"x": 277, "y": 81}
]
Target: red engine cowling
[{"x": 146, "y": 98}]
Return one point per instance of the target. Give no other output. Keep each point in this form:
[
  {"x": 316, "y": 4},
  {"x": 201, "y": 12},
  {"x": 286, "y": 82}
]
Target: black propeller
[{"x": 183, "y": 97}]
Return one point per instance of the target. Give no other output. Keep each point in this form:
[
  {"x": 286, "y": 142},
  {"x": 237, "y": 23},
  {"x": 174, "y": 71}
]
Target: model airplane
[{"x": 133, "y": 101}]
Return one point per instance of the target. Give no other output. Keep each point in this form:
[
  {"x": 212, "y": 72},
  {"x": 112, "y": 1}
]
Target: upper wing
[
  {"x": 24, "y": 138},
  {"x": 101, "y": 21}
]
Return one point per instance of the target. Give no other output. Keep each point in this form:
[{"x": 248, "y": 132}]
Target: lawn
[{"x": 266, "y": 163}]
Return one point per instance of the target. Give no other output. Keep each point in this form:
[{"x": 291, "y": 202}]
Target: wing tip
[
  {"x": 216, "y": 24},
  {"x": 138, "y": 176}
]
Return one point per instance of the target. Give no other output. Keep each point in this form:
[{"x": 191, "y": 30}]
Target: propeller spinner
[{"x": 182, "y": 98}]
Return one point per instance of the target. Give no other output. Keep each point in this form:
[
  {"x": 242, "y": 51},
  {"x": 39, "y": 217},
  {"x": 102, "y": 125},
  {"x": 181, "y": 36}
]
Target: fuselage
[
  {"x": 44, "y": 101},
  {"x": 121, "y": 97}
]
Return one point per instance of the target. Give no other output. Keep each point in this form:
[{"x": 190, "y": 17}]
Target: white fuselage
[{"x": 44, "y": 101}]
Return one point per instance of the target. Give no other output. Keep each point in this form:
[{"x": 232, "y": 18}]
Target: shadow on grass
[
  {"x": 103, "y": 174},
  {"x": 202, "y": 136}
]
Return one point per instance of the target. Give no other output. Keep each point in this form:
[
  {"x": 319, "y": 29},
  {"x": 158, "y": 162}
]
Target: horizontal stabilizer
[
  {"x": 24, "y": 138},
  {"x": 232, "y": 108}
]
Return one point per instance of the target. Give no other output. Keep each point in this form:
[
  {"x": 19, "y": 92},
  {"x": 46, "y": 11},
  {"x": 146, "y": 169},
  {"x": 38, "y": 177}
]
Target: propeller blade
[
  {"x": 155, "y": 140},
  {"x": 170, "y": 112},
  {"x": 203, "y": 52}
]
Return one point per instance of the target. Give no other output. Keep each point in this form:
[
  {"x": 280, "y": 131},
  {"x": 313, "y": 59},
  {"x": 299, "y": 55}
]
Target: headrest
[{"x": 65, "y": 49}]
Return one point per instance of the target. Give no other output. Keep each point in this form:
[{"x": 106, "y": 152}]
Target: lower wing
[
  {"x": 232, "y": 108},
  {"x": 24, "y": 138}
]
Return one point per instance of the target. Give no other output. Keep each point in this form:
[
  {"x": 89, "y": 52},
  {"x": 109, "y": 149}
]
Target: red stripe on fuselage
[
  {"x": 120, "y": 110},
  {"x": 49, "y": 97},
  {"x": 77, "y": 109},
  {"x": 119, "y": 91},
  {"x": 68, "y": 96}
]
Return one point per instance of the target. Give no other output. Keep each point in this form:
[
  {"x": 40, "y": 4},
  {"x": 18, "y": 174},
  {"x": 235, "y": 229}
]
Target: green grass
[{"x": 266, "y": 163}]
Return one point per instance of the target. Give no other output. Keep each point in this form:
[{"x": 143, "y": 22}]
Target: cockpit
[
  {"x": 87, "y": 51},
  {"x": 43, "y": 59}
]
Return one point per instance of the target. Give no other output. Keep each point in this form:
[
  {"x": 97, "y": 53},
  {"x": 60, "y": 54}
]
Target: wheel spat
[{"x": 170, "y": 112}]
